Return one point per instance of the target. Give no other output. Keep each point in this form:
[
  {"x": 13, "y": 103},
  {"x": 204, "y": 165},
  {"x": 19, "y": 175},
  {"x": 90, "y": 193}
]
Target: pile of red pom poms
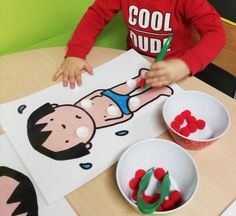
[
  {"x": 174, "y": 197},
  {"x": 193, "y": 124}
]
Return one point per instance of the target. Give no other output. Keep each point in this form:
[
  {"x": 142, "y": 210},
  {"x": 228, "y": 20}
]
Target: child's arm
[
  {"x": 212, "y": 36},
  {"x": 84, "y": 36},
  {"x": 201, "y": 15},
  {"x": 92, "y": 23}
]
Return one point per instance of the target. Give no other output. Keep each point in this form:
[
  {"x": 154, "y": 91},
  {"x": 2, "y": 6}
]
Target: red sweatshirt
[{"x": 150, "y": 23}]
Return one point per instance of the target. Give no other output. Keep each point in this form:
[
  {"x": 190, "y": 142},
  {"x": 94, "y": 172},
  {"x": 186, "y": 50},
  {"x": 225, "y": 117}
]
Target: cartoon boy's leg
[
  {"x": 130, "y": 85},
  {"x": 137, "y": 101}
]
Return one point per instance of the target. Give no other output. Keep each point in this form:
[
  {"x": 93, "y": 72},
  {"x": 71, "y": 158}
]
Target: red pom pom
[
  {"x": 142, "y": 83},
  {"x": 185, "y": 131},
  {"x": 175, "y": 196},
  {"x": 159, "y": 173},
  {"x": 151, "y": 199},
  {"x": 147, "y": 198},
  {"x": 192, "y": 127},
  {"x": 180, "y": 119},
  {"x": 177, "y": 131},
  {"x": 175, "y": 125},
  {"x": 191, "y": 119},
  {"x": 140, "y": 173},
  {"x": 156, "y": 197},
  {"x": 200, "y": 124},
  {"x": 168, "y": 205},
  {"x": 135, "y": 195},
  {"x": 186, "y": 113},
  {"x": 159, "y": 209},
  {"x": 134, "y": 183}
]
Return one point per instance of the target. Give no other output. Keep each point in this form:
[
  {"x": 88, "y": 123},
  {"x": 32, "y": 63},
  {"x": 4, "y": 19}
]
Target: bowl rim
[
  {"x": 205, "y": 94},
  {"x": 157, "y": 140}
]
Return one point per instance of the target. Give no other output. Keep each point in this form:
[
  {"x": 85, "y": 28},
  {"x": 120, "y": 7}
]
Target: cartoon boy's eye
[
  {"x": 51, "y": 119},
  {"x": 66, "y": 141},
  {"x": 78, "y": 117},
  {"x": 63, "y": 126}
]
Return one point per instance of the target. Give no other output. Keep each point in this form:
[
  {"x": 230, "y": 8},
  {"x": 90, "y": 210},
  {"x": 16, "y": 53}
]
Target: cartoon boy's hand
[
  {"x": 71, "y": 70},
  {"x": 142, "y": 72}
]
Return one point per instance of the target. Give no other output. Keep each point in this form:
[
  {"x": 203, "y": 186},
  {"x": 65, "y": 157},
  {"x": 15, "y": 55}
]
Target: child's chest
[{"x": 153, "y": 15}]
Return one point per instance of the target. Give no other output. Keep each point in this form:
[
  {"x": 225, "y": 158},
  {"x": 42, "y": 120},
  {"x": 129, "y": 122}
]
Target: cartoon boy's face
[
  {"x": 17, "y": 195},
  {"x": 70, "y": 125},
  {"x": 8, "y": 186}
]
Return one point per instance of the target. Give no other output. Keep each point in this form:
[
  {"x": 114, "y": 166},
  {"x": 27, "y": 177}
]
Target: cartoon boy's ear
[
  {"x": 88, "y": 146},
  {"x": 54, "y": 105}
]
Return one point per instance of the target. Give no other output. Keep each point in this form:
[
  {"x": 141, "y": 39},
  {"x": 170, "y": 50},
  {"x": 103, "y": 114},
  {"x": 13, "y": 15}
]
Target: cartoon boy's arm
[
  {"x": 91, "y": 95},
  {"x": 116, "y": 120}
]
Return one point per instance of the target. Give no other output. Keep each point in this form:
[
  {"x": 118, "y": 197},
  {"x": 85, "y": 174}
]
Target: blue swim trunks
[{"x": 120, "y": 100}]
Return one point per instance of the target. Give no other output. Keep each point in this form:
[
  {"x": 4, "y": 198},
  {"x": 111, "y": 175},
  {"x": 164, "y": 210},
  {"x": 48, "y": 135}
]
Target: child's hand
[
  {"x": 166, "y": 72},
  {"x": 71, "y": 70}
]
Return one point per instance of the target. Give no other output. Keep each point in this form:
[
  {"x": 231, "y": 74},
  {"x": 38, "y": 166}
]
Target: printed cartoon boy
[
  {"x": 65, "y": 131},
  {"x": 17, "y": 195}
]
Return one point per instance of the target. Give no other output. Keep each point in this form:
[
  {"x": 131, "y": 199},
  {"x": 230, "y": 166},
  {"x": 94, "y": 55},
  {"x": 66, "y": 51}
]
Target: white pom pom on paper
[
  {"x": 131, "y": 83},
  {"x": 112, "y": 110},
  {"x": 82, "y": 132},
  {"x": 134, "y": 101},
  {"x": 86, "y": 103}
]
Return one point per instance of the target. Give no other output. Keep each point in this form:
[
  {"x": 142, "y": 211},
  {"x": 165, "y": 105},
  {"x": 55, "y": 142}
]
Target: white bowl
[
  {"x": 202, "y": 106},
  {"x": 150, "y": 153}
]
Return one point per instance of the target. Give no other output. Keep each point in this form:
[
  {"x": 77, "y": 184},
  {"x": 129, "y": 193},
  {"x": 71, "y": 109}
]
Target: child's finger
[
  {"x": 158, "y": 65},
  {"x": 156, "y": 80},
  {"x": 160, "y": 82},
  {"x": 154, "y": 73},
  {"x": 88, "y": 68},
  {"x": 65, "y": 78},
  {"x": 57, "y": 74},
  {"x": 72, "y": 80},
  {"x": 163, "y": 83},
  {"x": 78, "y": 78}
]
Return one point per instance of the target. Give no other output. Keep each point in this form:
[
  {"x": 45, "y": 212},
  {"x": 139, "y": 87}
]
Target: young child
[{"x": 149, "y": 24}]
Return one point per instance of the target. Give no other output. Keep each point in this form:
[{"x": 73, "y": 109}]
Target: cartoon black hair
[
  {"x": 37, "y": 137},
  {"x": 24, "y": 193}
]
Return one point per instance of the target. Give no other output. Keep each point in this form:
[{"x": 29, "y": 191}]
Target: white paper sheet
[
  {"x": 56, "y": 178},
  {"x": 231, "y": 210},
  {"x": 9, "y": 158}
]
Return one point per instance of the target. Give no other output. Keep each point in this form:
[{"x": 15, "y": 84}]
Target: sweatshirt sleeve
[
  {"x": 89, "y": 27},
  {"x": 207, "y": 22}
]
